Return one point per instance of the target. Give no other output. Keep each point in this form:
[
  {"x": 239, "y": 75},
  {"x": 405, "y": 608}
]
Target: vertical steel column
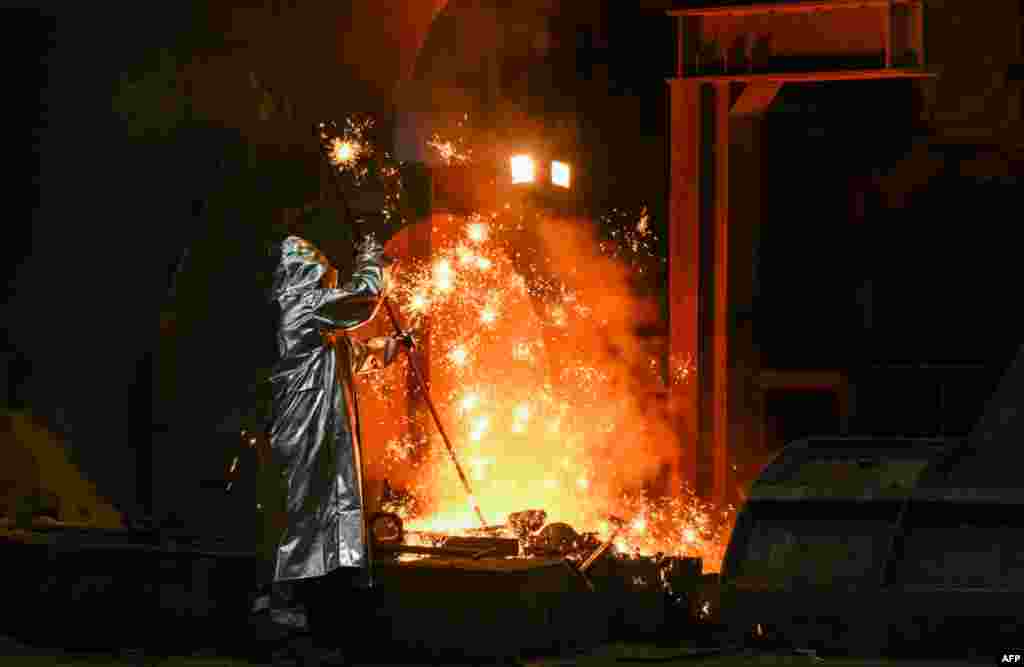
[
  {"x": 719, "y": 363},
  {"x": 887, "y": 32},
  {"x": 684, "y": 266}
]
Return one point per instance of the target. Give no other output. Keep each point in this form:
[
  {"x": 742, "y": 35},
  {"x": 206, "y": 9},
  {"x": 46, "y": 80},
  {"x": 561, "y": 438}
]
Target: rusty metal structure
[{"x": 732, "y": 61}]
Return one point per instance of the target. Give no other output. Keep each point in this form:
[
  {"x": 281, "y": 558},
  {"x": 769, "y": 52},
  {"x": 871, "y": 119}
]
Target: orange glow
[
  {"x": 577, "y": 438},
  {"x": 477, "y": 232},
  {"x": 479, "y": 466},
  {"x": 418, "y": 303},
  {"x": 469, "y": 401},
  {"x": 465, "y": 255},
  {"x": 458, "y": 355},
  {"x": 345, "y": 153},
  {"x": 479, "y": 428},
  {"x": 444, "y": 276}
]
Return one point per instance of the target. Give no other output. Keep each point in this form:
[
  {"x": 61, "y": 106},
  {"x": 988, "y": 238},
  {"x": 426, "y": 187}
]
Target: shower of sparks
[
  {"x": 349, "y": 147},
  {"x": 449, "y": 151},
  {"x": 453, "y": 150},
  {"x": 535, "y": 415},
  {"x": 631, "y": 239},
  {"x": 458, "y": 355},
  {"x": 391, "y": 179},
  {"x": 533, "y": 434},
  {"x": 477, "y": 232},
  {"x": 345, "y": 153},
  {"x": 680, "y": 370}
]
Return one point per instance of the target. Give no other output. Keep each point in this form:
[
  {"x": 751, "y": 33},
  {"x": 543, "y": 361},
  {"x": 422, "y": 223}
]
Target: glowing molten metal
[{"x": 545, "y": 391}]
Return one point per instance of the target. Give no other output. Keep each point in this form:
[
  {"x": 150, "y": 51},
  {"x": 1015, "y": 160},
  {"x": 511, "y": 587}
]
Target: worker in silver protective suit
[{"x": 314, "y": 426}]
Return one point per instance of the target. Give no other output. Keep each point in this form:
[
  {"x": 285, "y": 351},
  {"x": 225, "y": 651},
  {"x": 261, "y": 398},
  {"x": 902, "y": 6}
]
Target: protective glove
[
  {"x": 405, "y": 338},
  {"x": 369, "y": 247}
]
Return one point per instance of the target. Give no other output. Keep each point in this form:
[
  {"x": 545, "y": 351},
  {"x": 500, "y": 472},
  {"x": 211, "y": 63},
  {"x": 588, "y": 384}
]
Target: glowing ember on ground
[{"x": 539, "y": 385}]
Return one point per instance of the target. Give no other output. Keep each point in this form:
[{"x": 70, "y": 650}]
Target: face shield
[{"x": 302, "y": 266}]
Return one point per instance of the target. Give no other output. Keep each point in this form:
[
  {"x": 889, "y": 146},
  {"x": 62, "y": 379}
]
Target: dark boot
[{"x": 322, "y": 598}]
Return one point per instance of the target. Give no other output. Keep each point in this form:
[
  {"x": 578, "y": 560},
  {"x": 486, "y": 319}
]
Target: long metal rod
[{"x": 433, "y": 411}]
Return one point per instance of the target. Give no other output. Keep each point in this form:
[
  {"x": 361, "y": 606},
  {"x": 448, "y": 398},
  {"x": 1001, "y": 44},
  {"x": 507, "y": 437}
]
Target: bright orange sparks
[
  {"x": 418, "y": 303},
  {"x": 466, "y": 256},
  {"x": 479, "y": 428},
  {"x": 477, "y": 232},
  {"x": 469, "y": 401},
  {"x": 458, "y": 355},
  {"x": 497, "y": 376},
  {"x": 444, "y": 276},
  {"x": 344, "y": 153}
]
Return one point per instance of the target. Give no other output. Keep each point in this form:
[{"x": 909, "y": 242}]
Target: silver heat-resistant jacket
[{"x": 314, "y": 427}]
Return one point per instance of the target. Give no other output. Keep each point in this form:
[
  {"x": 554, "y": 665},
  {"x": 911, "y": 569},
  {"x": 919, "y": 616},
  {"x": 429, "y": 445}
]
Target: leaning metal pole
[
  {"x": 433, "y": 411},
  {"x": 415, "y": 366}
]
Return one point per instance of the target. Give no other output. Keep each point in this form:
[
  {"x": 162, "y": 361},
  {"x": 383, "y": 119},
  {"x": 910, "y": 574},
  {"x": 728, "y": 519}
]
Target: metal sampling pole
[
  {"x": 433, "y": 411},
  {"x": 416, "y": 371}
]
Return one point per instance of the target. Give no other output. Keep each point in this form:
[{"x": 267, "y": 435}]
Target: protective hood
[{"x": 300, "y": 268}]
